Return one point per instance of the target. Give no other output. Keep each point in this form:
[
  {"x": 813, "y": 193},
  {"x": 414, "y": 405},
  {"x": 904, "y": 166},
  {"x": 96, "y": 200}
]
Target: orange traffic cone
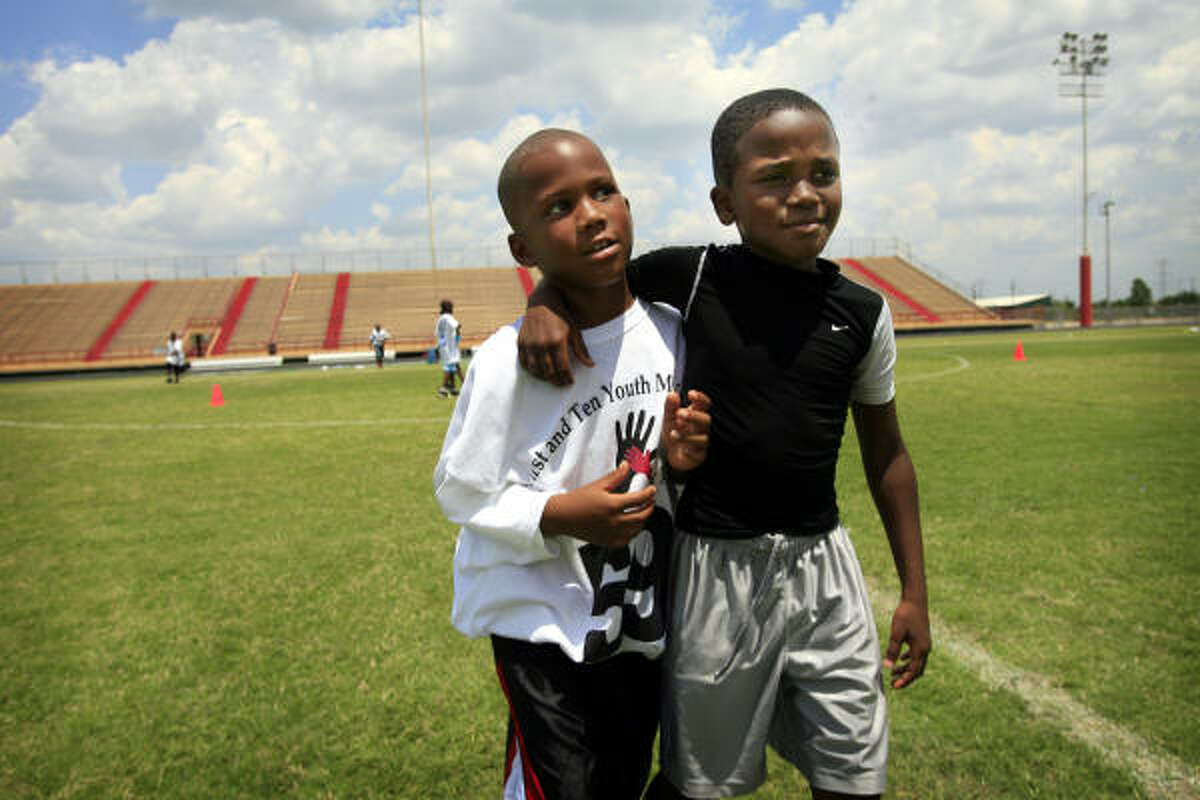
[
  {"x": 218, "y": 400},
  {"x": 1019, "y": 352}
]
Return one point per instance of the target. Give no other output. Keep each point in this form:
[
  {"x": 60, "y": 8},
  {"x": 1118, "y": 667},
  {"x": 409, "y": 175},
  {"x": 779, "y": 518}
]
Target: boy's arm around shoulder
[
  {"x": 549, "y": 336},
  {"x": 892, "y": 480}
]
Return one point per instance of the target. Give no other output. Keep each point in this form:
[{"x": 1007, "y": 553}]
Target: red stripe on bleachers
[
  {"x": 104, "y": 339},
  {"x": 232, "y": 314},
  {"x": 526, "y": 280},
  {"x": 879, "y": 281},
  {"x": 337, "y": 312}
]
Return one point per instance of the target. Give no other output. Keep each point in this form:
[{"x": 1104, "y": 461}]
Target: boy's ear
[
  {"x": 722, "y": 205},
  {"x": 520, "y": 251}
]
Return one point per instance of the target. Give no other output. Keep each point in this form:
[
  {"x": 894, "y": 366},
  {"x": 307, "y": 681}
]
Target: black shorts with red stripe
[{"x": 577, "y": 731}]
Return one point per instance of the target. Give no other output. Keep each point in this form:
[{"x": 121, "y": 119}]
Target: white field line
[
  {"x": 1161, "y": 774},
  {"x": 1056, "y": 335},
  {"x": 961, "y": 364},
  {"x": 382, "y": 422}
]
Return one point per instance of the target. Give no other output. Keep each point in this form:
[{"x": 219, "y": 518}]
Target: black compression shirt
[{"x": 781, "y": 353}]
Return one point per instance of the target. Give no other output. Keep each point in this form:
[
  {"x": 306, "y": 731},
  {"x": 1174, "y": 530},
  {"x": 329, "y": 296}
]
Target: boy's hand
[
  {"x": 910, "y": 624},
  {"x": 597, "y": 514},
  {"x": 547, "y": 338},
  {"x": 685, "y": 430}
]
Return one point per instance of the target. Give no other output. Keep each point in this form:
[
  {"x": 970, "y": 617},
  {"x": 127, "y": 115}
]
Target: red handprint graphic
[{"x": 631, "y": 447}]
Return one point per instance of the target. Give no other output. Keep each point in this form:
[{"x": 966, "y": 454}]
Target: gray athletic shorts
[{"x": 772, "y": 641}]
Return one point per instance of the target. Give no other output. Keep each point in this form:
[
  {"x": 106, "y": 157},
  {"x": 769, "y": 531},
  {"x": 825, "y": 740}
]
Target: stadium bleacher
[
  {"x": 917, "y": 300},
  {"x": 56, "y": 323},
  {"x": 188, "y": 307},
  {"x": 56, "y": 326},
  {"x": 256, "y": 327},
  {"x": 305, "y": 317}
]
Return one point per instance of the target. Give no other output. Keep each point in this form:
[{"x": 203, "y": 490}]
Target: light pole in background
[
  {"x": 1083, "y": 57},
  {"x": 425, "y": 128},
  {"x": 1106, "y": 210}
]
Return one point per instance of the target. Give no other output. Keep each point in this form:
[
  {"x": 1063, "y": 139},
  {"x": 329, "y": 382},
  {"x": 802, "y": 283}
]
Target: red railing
[
  {"x": 337, "y": 312},
  {"x": 102, "y": 342},
  {"x": 232, "y": 315},
  {"x": 889, "y": 289}
]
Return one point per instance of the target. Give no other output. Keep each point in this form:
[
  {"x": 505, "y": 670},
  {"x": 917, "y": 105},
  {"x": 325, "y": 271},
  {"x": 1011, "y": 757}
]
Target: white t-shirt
[
  {"x": 175, "y": 353},
  {"x": 515, "y": 441},
  {"x": 446, "y": 332},
  {"x": 378, "y": 337}
]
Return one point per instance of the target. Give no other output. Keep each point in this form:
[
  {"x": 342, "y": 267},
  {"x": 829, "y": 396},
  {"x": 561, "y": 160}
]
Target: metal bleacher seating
[
  {"x": 403, "y": 302},
  {"x": 305, "y": 318},
  {"x": 256, "y": 329},
  {"x": 55, "y": 326},
  {"x": 484, "y": 300},
  {"x": 949, "y": 307},
  {"x": 407, "y": 304},
  {"x": 183, "y": 306},
  {"x": 52, "y": 323}
]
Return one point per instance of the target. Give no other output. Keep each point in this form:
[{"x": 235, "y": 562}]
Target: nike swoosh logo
[{"x": 836, "y": 328}]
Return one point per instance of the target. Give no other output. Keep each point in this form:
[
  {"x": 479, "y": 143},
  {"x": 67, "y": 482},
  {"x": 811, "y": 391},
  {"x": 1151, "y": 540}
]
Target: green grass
[
  {"x": 242, "y": 608},
  {"x": 1056, "y": 503}
]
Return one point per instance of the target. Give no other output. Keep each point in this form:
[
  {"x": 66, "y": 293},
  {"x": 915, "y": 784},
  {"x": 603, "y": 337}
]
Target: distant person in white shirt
[
  {"x": 176, "y": 360},
  {"x": 448, "y": 333},
  {"x": 379, "y": 335}
]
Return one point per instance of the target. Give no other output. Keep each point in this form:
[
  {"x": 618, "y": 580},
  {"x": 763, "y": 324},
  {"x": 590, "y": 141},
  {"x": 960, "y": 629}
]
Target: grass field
[{"x": 252, "y": 601}]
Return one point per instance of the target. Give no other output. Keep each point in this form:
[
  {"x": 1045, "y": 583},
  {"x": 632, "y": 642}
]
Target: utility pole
[
  {"x": 425, "y": 127},
  {"x": 1106, "y": 210},
  {"x": 1082, "y": 57}
]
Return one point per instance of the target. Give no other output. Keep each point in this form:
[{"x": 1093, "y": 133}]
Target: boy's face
[
  {"x": 572, "y": 220},
  {"x": 786, "y": 193}
]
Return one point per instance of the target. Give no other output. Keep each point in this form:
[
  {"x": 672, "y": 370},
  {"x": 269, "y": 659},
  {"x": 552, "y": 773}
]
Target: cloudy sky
[{"x": 147, "y": 128}]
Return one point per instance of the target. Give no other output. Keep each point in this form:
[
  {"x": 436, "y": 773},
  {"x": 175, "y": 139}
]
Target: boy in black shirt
[{"x": 772, "y": 639}]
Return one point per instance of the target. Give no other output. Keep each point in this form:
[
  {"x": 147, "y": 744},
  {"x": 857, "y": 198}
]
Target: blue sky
[
  {"x": 66, "y": 31},
  {"x": 155, "y": 128}
]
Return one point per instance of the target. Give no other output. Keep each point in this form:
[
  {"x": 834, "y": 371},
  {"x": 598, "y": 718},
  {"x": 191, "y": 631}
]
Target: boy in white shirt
[
  {"x": 176, "y": 359},
  {"x": 448, "y": 333},
  {"x": 379, "y": 337},
  {"x": 561, "y": 559}
]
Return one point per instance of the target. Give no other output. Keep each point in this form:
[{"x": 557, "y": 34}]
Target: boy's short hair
[
  {"x": 447, "y": 307},
  {"x": 742, "y": 115},
  {"x": 509, "y": 181}
]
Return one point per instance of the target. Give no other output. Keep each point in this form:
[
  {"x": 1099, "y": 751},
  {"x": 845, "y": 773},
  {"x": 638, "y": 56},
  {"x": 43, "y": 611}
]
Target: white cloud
[
  {"x": 265, "y": 122},
  {"x": 302, "y": 14},
  {"x": 325, "y": 238}
]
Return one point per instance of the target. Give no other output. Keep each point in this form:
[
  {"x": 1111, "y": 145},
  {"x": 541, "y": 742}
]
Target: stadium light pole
[
  {"x": 1106, "y": 210},
  {"x": 1083, "y": 57},
  {"x": 425, "y": 128}
]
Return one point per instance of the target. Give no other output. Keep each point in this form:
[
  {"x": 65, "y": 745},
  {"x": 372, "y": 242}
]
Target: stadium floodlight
[
  {"x": 1082, "y": 57},
  {"x": 425, "y": 129},
  {"x": 1106, "y": 210}
]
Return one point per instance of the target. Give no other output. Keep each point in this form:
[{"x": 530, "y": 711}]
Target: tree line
[{"x": 1141, "y": 296}]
